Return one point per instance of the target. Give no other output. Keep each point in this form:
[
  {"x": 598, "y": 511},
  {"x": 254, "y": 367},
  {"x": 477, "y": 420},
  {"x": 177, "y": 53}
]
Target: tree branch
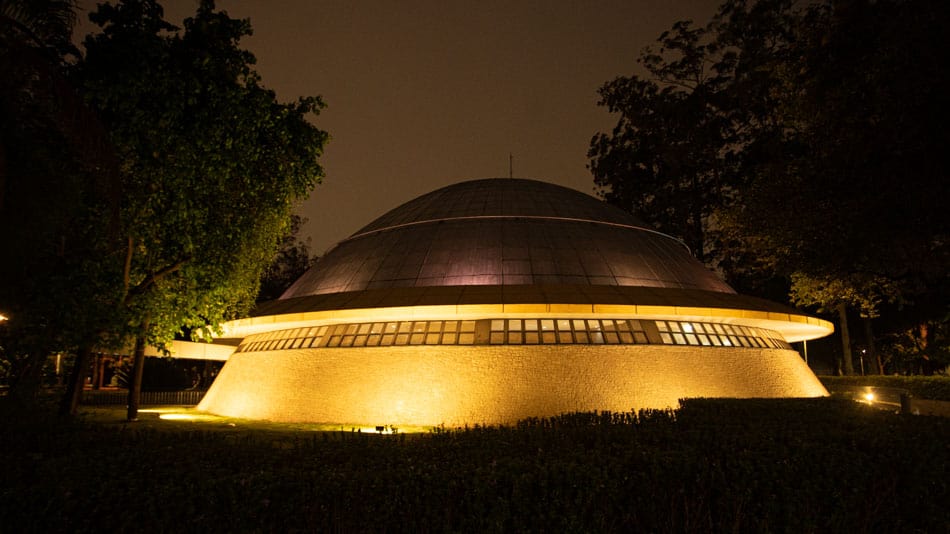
[{"x": 152, "y": 278}]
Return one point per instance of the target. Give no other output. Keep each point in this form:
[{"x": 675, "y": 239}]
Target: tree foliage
[
  {"x": 663, "y": 159},
  {"x": 810, "y": 133},
  {"x": 57, "y": 175},
  {"x": 292, "y": 260},
  {"x": 212, "y": 164},
  {"x": 160, "y": 219}
]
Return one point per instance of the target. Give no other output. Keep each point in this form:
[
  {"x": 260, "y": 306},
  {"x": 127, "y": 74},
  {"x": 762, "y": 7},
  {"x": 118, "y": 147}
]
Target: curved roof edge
[{"x": 535, "y": 301}]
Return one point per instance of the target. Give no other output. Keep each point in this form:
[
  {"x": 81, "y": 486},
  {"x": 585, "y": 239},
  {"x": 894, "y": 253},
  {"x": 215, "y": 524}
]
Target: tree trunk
[
  {"x": 845, "y": 339},
  {"x": 69, "y": 404},
  {"x": 872, "y": 348},
  {"x": 135, "y": 384}
]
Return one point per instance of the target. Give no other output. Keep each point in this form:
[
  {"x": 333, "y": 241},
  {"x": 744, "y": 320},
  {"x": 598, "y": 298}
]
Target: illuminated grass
[{"x": 178, "y": 418}]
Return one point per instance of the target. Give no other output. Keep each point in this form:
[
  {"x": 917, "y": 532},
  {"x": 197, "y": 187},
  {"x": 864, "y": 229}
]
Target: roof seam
[{"x": 537, "y": 217}]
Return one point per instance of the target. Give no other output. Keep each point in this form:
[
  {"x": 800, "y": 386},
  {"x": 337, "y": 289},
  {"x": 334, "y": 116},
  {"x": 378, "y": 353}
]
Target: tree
[
  {"x": 840, "y": 173},
  {"x": 664, "y": 159},
  {"x": 292, "y": 260},
  {"x": 212, "y": 166},
  {"x": 831, "y": 169},
  {"x": 56, "y": 172}
]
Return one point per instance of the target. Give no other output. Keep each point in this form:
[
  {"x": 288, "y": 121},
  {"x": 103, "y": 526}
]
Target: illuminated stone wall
[{"x": 455, "y": 385}]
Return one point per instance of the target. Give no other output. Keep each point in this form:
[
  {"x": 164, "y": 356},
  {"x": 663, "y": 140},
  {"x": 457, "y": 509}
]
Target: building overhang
[{"x": 529, "y": 301}]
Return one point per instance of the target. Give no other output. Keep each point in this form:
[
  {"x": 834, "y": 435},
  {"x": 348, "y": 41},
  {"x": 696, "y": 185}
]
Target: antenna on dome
[{"x": 510, "y": 173}]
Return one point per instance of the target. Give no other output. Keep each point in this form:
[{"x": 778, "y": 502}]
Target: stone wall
[{"x": 455, "y": 385}]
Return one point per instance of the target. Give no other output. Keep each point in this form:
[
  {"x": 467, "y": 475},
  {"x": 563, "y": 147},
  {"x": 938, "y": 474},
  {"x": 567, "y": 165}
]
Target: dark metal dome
[{"x": 505, "y": 232}]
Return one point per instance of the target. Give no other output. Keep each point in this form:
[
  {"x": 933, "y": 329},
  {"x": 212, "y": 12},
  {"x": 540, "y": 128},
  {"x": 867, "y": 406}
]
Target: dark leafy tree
[
  {"x": 212, "y": 166},
  {"x": 845, "y": 183},
  {"x": 664, "y": 159},
  {"x": 292, "y": 260},
  {"x": 829, "y": 153},
  {"x": 58, "y": 177}
]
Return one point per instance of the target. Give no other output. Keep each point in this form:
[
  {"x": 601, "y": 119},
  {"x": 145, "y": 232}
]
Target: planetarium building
[{"x": 494, "y": 300}]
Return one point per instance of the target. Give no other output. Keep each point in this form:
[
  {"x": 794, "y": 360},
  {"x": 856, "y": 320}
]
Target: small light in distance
[{"x": 869, "y": 396}]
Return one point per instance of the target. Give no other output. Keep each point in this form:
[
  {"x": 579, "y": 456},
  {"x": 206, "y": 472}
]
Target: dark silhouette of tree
[
  {"x": 58, "y": 185},
  {"x": 292, "y": 260},
  {"x": 664, "y": 159},
  {"x": 824, "y": 138}
]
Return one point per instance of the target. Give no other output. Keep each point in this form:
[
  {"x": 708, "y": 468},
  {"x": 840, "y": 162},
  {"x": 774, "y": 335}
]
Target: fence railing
[{"x": 111, "y": 398}]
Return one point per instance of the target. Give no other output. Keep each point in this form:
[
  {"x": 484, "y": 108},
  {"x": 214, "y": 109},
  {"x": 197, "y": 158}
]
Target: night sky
[{"x": 423, "y": 94}]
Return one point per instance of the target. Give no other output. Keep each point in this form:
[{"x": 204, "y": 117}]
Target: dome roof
[{"x": 505, "y": 232}]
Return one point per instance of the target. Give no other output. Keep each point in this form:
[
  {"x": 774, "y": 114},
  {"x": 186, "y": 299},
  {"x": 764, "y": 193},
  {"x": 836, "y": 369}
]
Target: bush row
[{"x": 713, "y": 465}]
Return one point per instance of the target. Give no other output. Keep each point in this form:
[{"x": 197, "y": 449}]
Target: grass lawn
[{"x": 816, "y": 465}]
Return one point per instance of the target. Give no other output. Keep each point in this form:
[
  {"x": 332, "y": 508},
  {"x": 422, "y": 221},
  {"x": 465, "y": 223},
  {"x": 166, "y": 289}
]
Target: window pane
[
  {"x": 593, "y": 324},
  {"x": 609, "y": 325},
  {"x": 581, "y": 336},
  {"x": 432, "y": 338},
  {"x": 451, "y": 326},
  {"x": 678, "y": 339},
  {"x": 449, "y": 338},
  {"x": 531, "y": 338},
  {"x": 498, "y": 325},
  {"x": 364, "y": 328},
  {"x": 579, "y": 324},
  {"x": 531, "y": 324},
  {"x": 466, "y": 338},
  {"x": 691, "y": 339},
  {"x": 667, "y": 339},
  {"x": 564, "y": 324},
  {"x": 373, "y": 340},
  {"x": 377, "y": 328},
  {"x": 596, "y": 337},
  {"x": 548, "y": 338},
  {"x": 390, "y": 328},
  {"x": 514, "y": 338},
  {"x": 418, "y": 327},
  {"x": 564, "y": 337},
  {"x": 661, "y": 325},
  {"x": 405, "y": 327},
  {"x": 388, "y": 340},
  {"x": 347, "y": 341},
  {"x": 514, "y": 324},
  {"x": 417, "y": 339},
  {"x": 640, "y": 337},
  {"x": 402, "y": 339},
  {"x": 468, "y": 326},
  {"x": 623, "y": 326},
  {"x": 360, "y": 341},
  {"x": 351, "y": 329},
  {"x": 547, "y": 324},
  {"x": 435, "y": 326},
  {"x": 497, "y": 338},
  {"x": 626, "y": 337}
]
